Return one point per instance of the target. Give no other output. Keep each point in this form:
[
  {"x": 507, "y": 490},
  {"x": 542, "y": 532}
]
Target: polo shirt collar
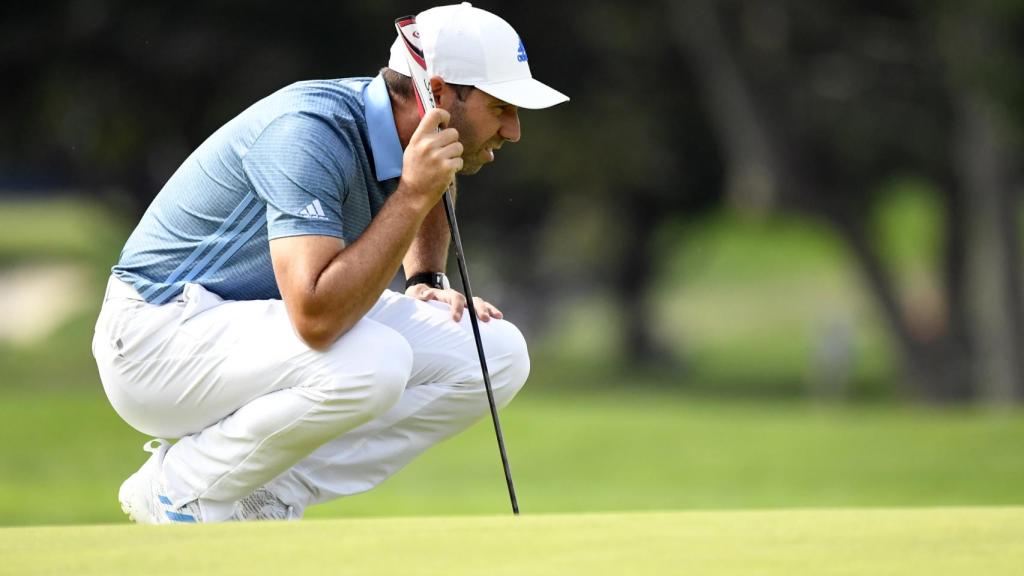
[{"x": 380, "y": 123}]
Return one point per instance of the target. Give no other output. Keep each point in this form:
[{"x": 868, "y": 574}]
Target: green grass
[
  {"x": 786, "y": 486},
  {"x": 826, "y": 542},
  {"x": 754, "y": 306},
  {"x": 751, "y": 303},
  {"x": 741, "y": 300},
  {"x": 71, "y": 228},
  {"x": 64, "y": 455},
  {"x": 77, "y": 231}
]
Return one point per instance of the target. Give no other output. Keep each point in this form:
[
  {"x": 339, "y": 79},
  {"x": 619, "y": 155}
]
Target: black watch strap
[{"x": 432, "y": 279}]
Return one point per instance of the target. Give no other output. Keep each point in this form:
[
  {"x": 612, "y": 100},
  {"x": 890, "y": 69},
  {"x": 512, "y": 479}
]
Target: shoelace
[{"x": 263, "y": 504}]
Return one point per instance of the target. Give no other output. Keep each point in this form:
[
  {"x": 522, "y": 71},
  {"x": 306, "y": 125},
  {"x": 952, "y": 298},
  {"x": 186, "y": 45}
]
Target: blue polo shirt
[{"x": 317, "y": 157}]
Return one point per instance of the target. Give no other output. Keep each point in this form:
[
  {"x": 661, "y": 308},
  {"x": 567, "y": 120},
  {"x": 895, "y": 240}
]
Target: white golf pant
[{"x": 253, "y": 405}]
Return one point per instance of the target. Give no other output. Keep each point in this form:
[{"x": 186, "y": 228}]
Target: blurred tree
[
  {"x": 984, "y": 74},
  {"x": 817, "y": 105},
  {"x": 774, "y": 105},
  {"x": 109, "y": 93}
]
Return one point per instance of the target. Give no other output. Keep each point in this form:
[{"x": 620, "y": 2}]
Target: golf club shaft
[
  {"x": 453, "y": 226},
  {"x": 425, "y": 101}
]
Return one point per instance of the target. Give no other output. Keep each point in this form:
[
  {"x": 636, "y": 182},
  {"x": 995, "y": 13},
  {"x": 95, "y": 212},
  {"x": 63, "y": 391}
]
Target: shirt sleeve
[{"x": 297, "y": 166}]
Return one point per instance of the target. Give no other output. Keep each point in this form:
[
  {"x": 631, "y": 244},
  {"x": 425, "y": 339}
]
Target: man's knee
[{"x": 507, "y": 358}]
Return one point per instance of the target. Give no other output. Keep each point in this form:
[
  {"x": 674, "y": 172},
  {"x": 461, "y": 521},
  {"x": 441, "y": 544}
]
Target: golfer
[{"x": 248, "y": 315}]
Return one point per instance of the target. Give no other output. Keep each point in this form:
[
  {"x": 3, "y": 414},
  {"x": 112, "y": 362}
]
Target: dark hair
[{"x": 400, "y": 85}]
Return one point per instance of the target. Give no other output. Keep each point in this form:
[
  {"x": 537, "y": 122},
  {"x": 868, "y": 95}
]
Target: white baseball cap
[{"x": 467, "y": 45}]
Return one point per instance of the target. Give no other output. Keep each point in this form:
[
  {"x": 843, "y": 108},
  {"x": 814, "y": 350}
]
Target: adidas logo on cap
[{"x": 521, "y": 54}]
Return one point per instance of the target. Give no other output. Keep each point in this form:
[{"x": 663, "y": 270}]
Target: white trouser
[{"x": 253, "y": 405}]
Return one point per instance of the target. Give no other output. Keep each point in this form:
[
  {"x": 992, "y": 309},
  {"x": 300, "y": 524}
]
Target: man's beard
[{"x": 471, "y": 144}]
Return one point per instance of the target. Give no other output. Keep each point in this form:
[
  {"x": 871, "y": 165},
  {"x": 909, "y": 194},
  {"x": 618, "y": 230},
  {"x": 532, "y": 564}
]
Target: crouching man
[{"x": 248, "y": 315}]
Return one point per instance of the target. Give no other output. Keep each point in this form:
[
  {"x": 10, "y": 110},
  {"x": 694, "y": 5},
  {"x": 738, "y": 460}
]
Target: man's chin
[{"x": 470, "y": 169}]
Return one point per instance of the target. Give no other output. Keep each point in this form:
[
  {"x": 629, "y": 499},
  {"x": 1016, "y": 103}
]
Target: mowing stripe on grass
[{"x": 904, "y": 542}]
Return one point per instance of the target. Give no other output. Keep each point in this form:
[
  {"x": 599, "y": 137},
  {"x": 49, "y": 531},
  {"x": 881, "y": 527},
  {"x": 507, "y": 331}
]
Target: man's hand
[
  {"x": 431, "y": 159},
  {"x": 484, "y": 310}
]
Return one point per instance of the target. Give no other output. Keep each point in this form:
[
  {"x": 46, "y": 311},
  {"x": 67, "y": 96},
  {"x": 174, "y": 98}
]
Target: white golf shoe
[{"x": 143, "y": 497}]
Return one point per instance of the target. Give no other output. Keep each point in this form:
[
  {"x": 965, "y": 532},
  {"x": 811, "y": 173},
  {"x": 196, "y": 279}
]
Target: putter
[{"x": 406, "y": 27}]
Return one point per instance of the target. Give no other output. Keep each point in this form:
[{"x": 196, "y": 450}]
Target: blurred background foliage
[{"x": 745, "y": 200}]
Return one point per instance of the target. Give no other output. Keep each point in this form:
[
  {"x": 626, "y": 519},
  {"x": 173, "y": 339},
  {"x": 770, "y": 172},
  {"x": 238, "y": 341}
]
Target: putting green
[{"x": 903, "y": 542}]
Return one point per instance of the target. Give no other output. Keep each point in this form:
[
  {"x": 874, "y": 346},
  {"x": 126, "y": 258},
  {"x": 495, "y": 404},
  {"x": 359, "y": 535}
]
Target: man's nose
[{"x": 510, "y": 129}]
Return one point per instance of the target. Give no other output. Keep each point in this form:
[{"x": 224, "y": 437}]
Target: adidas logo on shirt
[{"x": 313, "y": 211}]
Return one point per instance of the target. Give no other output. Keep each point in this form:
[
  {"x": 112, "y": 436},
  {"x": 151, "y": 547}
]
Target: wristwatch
[{"x": 433, "y": 279}]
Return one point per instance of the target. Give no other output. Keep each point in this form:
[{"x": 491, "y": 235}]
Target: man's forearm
[
  {"x": 361, "y": 272},
  {"x": 342, "y": 289},
  {"x": 429, "y": 249}
]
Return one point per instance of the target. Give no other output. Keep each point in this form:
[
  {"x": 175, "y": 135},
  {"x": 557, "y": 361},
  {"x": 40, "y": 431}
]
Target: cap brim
[{"x": 525, "y": 93}]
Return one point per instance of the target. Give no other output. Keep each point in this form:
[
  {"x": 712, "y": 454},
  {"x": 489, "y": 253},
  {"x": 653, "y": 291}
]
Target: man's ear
[{"x": 437, "y": 85}]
